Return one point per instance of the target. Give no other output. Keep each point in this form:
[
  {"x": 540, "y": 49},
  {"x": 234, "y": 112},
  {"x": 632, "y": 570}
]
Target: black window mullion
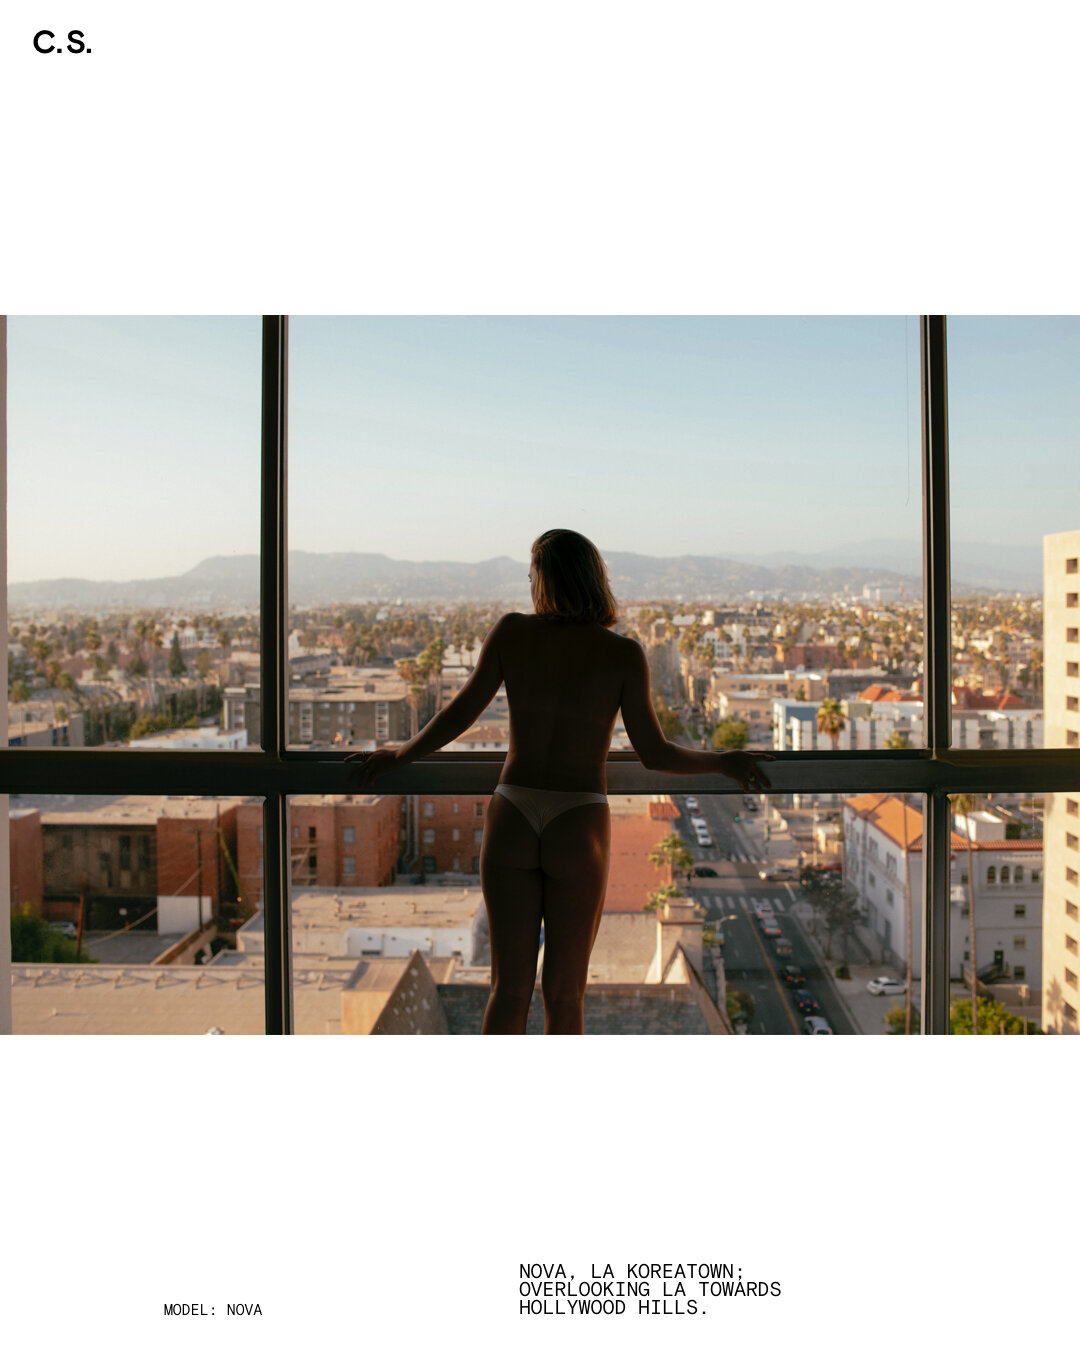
[
  {"x": 937, "y": 669},
  {"x": 273, "y": 678}
]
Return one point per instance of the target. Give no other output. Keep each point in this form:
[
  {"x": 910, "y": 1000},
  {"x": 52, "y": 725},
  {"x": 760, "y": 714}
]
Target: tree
[
  {"x": 176, "y": 659},
  {"x": 730, "y": 734},
  {"x": 204, "y": 663},
  {"x": 899, "y": 1023},
  {"x": 898, "y": 741},
  {"x": 992, "y": 1019},
  {"x": 19, "y": 692},
  {"x": 831, "y": 720},
  {"x": 672, "y": 852},
  {"x": 659, "y": 898},
  {"x": 669, "y": 722},
  {"x": 33, "y": 939}
]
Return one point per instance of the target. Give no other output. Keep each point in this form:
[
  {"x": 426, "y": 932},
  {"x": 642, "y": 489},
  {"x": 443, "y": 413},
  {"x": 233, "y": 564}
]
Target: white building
[
  {"x": 1061, "y": 665},
  {"x": 869, "y": 722},
  {"x": 194, "y": 738},
  {"x": 883, "y": 844}
]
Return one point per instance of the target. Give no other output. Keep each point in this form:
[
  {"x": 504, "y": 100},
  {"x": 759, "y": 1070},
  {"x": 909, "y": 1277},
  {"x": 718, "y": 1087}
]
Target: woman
[{"x": 547, "y": 836}]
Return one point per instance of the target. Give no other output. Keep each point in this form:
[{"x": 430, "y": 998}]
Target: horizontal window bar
[{"x": 255, "y": 773}]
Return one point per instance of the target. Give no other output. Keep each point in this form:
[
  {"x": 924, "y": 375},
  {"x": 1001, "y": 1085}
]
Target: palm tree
[
  {"x": 964, "y": 804},
  {"x": 671, "y": 852},
  {"x": 831, "y": 720},
  {"x": 410, "y": 673}
]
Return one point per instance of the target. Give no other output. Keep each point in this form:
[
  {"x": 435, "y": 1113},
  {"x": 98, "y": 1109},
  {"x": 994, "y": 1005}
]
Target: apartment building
[
  {"x": 117, "y": 863},
  {"x": 1061, "y": 685},
  {"x": 1006, "y": 723},
  {"x": 883, "y": 864},
  {"x": 354, "y": 707}
]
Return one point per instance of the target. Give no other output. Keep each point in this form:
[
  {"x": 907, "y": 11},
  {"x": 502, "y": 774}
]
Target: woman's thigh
[
  {"x": 575, "y": 850},
  {"x": 513, "y": 892}
]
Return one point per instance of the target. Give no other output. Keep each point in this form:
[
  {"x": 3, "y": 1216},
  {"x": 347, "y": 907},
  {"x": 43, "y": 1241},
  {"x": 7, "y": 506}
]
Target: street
[{"x": 750, "y": 961}]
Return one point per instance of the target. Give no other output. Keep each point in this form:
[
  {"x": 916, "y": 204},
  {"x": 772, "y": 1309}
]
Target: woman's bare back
[{"x": 563, "y": 685}]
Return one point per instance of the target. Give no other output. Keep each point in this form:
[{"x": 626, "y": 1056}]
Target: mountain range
[{"x": 232, "y": 582}]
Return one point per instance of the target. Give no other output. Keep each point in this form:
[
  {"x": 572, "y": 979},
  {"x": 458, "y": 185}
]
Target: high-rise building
[{"x": 1061, "y": 684}]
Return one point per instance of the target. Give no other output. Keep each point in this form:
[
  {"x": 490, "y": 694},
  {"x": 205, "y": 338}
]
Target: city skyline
[{"x": 752, "y": 437}]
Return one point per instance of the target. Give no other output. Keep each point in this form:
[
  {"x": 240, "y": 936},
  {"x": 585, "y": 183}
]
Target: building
[
  {"x": 355, "y": 707},
  {"x": 883, "y": 864},
  {"x": 1061, "y": 665},
  {"x": 193, "y": 738},
  {"x": 979, "y": 722},
  {"x": 159, "y": 860}
]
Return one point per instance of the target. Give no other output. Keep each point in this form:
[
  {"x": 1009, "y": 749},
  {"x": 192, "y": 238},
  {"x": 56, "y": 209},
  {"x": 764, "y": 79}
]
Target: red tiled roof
[{"x": 884, "y": 811}]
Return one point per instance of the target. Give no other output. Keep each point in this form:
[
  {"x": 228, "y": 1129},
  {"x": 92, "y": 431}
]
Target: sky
[{"x": 134, "y": 442}]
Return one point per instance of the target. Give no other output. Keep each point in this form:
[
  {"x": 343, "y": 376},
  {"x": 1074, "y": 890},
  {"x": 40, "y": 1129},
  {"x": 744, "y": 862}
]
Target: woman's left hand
[{"x": 371, "y": 763}]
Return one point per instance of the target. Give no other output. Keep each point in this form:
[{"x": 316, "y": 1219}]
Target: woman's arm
[
  {"x": 449, "y": 723},
  {"x": 655, "y": 750}
]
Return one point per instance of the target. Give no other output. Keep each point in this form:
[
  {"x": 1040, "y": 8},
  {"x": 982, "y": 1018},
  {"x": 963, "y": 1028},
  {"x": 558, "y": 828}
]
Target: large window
[{"x": 790, "y": 450}]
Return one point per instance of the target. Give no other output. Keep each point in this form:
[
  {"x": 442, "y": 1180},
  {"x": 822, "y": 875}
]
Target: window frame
[{"x": 274, "y": 773}]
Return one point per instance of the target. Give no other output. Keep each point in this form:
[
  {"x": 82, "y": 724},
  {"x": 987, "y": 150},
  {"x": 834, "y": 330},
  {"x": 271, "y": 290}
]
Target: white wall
[
  {"x": 180, "y": 913},
  {"x": 402, "y": 941}
]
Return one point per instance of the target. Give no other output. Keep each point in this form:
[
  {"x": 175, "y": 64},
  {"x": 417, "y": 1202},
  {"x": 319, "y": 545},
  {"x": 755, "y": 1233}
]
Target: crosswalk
[{"x": 740, "y": 903}]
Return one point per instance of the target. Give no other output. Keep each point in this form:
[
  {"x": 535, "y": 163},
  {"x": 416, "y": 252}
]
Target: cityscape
[
  {"x": 723, "y": 914},
  {"x": 754, "y": 486}
]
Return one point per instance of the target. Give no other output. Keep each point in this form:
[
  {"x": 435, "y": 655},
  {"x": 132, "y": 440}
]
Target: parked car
[
  {"x": 691, "y": 804},
  {"x": 792, "y": 975},
  {"x": 805, "y": 1001},
  {"x": 816, "y": 1026},
  {"x": 886, "y": 984},
  {"x": 705, "y": 872},
  {"x": 65, "y": 927}
]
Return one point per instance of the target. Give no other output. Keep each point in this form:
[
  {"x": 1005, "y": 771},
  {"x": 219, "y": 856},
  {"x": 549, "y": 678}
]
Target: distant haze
[{"x": 335, "y": 578}]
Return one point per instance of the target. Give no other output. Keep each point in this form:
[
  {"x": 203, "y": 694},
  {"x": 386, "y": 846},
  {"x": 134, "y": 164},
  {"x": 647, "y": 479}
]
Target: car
[
  {"x": 691, "y": 804},
  {"x": 805, "y": 1001},
  {"x": 792, "y": 975},
  {"x": 705, "y": 872},
  {"x": 64, "y": 927},
  {"x": 751, "y": 806},
  {"x": 783, "y": 947},
  {"x": 886, "y": 984},
  {"x": 816, "y": 1026},
  {"x": 777, "y": 873},
  {"x": 770, "y": 927},
  {"x": 762, "y": 907}
]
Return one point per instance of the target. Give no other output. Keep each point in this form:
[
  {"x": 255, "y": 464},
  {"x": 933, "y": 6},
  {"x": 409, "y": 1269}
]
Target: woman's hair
[{"x": 571, "y": 580}]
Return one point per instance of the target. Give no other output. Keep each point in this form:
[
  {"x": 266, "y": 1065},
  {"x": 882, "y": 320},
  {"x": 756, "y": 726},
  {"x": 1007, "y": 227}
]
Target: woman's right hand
[
  {"x": 742, "y": 765},
  {"x": 369, "y": 765}
]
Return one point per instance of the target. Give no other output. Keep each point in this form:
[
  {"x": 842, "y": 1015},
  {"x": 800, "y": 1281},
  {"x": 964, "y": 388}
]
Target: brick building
[
  {"x": 24, "y": 854},
  {"x": 451, "y": 830}
]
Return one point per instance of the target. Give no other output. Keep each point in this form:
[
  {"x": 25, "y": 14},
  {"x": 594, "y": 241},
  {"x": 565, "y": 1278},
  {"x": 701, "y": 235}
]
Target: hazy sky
[{"x": 134, "y": 443}]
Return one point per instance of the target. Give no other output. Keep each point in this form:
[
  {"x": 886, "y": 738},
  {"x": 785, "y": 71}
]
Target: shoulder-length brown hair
[{"x": 571, "y": 580}]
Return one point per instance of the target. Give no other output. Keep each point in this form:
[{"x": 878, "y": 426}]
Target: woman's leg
[
  {"x": 513, "y": 893},
  {"x": 574, "y": 853}
]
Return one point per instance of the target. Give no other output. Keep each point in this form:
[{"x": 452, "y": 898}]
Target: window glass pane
[
  {"x": 163, "y": 936},
  {"x": 753, "y": 484},
  {"x": 133, "y": 532},
  {"x": 775, "y": 912},
  {"x": 1007, "y": 904},
  {"x": 1014, "y": 410}
]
